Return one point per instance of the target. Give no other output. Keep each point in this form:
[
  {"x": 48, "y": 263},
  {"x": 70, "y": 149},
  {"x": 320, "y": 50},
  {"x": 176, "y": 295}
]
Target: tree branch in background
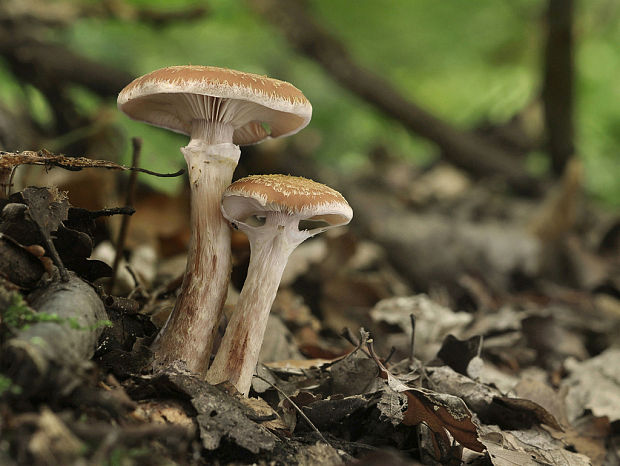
[
  {"x": 52, "y": 68},
  {"x": 461, "y": 148},
  {"x": 65, "y": 13},
  {"x": 158, "y": 17},
  {"x": 558, "y": 83},
  {"x": 46, "y": 64}
]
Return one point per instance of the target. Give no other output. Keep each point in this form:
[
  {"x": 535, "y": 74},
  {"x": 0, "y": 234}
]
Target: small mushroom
[
  {"x": 219, "y": 109},
  {"x": 277, "y": 213}
]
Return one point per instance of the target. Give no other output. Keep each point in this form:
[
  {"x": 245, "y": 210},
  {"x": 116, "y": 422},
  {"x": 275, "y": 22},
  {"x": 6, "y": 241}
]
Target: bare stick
[
  {"x": 6, "y": 175},
  {"x": 347, "y": 334},
  {"x": 559, "y": 82},
  {"x": 389, "y": 356},
  {"x": 462, "y": 148},
  {"x": 122, "y": 235},
  {"x": 297, "y": 408},
  {"x": 411, "y": 350}
]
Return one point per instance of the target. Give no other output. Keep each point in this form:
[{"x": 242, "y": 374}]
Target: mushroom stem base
[
  {"x": 188, "y": 333},
  {"x": 237, "y": 356}
]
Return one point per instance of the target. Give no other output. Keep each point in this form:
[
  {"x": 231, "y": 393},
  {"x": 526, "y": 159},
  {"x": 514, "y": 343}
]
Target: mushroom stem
[
  {"x": 271, "y": 245},
  {"x": 188, "y": 333},
  {"x": 211, "y": 132}
]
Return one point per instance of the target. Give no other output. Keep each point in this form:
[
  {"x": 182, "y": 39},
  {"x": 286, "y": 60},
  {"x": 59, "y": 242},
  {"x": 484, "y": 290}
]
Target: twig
[
  {"x": 5, "y": 182},
  {"x": 297, "y": 408},
  {"x": 122, "y": 235},
  {"x": 384, "y": 372},
  {"x": 138, "y": 285},
  {"x": 389, "y": 356},
  {"x": 160, "y": 175},
  {"x": 112, "y": 211},
  {"x": 8, "y": 193},
  {"x": 411, "y": 349},
  {"x": 375, "y": 358},
  {"x": 64, "y": 276},
  {"x": 463, "y": 148},
  {"x": 347, "y": 334},
  {"x": 44, "y": 157},
  {"x": 558, "y": 88}
]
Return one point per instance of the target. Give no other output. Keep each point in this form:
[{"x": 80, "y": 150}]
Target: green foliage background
[{"x": 465, "y": 61}]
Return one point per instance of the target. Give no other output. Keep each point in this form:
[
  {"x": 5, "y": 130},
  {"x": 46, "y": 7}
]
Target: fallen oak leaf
[
  {"x": 11, "y": 160},
  {"x": 528, "y": 412},
  {"x": 391, "y": 406},
  {"x": 43, "y": 216},
  {"x": 440, "y": 412}
]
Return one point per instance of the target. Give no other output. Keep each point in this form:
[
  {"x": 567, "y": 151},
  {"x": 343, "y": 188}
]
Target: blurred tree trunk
[{"x": 558, "y": 83}]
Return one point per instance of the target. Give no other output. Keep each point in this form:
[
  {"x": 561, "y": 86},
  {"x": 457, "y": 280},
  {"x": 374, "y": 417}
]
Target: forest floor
[{"x": 451, "y": 322}]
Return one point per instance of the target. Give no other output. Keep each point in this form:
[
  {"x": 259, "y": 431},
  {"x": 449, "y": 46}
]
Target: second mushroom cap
[{"x": 306, "y": 199}]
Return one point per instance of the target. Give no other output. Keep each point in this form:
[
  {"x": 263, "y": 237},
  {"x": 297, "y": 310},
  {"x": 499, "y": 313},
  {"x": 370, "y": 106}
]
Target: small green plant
[
  {"x": 121, "y": 456},
  {"x": 19, "y": 316},
  {"x": 7, "y": 386}
]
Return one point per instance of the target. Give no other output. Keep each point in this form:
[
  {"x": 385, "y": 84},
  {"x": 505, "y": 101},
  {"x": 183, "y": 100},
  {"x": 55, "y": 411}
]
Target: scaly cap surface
[
  {"x": 294, "y": 195},
  {"x": 172, "y": 97}
]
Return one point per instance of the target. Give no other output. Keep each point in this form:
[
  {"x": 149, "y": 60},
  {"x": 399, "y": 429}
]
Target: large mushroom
[
  {"x": 219, "y": 109},
  {"x": 277, "y": 213}
]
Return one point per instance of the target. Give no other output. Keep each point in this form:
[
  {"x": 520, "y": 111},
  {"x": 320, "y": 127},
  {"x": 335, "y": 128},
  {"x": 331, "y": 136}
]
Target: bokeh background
[
  {"x": 478, "y": 66},
  {"x": 478, "y": 145}
]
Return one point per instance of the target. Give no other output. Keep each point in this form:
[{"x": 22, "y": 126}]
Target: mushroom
[
  {"x": 277, "y": 213},
  {"x": 219, "y": 109}
]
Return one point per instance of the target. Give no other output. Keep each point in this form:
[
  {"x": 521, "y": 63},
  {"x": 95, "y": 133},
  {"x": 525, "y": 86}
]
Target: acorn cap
[
  {"x": 256, "y": 106},
  {"x": 307, "y": 199}
]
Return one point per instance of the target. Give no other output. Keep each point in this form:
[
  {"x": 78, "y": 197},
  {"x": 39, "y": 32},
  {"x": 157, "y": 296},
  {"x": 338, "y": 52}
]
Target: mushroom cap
[
  {"x": 293, "y": 195},
  {"x": 175, "y": 96}
]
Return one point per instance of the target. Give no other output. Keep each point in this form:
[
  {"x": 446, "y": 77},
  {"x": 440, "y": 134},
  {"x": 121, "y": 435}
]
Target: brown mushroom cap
[
  {"x": 175, "y": 96},
  {"x": 307, "y": 199}
]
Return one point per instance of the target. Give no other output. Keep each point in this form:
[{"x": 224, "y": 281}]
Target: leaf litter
[{"x": 514, "y": 378}]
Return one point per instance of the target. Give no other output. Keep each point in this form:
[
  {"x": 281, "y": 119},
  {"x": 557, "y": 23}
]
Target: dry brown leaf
[
  {"x": 440, "y": 412},
  {"x": 163, "y": 412},
  {"x": 442, "y": 417},
  {"x": 268, "y": 417}
]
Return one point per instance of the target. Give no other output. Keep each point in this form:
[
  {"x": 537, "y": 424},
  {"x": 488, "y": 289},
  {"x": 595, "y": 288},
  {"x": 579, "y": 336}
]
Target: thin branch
[
  {"x": 391, "y": 353},
  {"x": 45, "y": 63},
  {"x": 297, "y": 408},
  {"x": 131, "y": 186},
  {"x": 112, "y": 211},
  {"x": 347, "y": 334},
  {"x": 44, "y": 157},
  {"x": 412, "y": 343},
  {"x": 558, "y": 83},
  {"x": 462, "y": 148}
]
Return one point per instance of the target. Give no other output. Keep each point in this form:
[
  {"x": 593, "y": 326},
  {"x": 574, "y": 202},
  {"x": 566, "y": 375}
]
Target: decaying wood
[{"x": 50, "y": 355}]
